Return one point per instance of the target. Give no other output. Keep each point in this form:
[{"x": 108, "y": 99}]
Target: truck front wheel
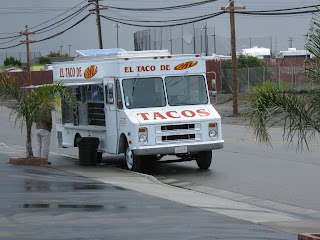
[
  {"x": 134, "y": 162},
  {"x": 203, "y": 159}
]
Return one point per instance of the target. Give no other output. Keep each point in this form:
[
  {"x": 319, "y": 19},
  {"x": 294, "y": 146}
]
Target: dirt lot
[{"x": 224, "y": 105}]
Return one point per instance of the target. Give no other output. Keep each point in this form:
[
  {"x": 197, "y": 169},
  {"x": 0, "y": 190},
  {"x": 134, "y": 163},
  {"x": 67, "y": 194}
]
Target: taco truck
[{"x": 143, "y": 104}]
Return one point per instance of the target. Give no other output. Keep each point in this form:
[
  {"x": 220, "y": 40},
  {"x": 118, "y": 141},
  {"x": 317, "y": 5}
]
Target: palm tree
[
  {"x": 29, "y": 102},
  {"x": 269, "y": 104}
]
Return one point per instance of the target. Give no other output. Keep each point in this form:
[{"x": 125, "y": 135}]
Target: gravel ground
[{"x": 224, "y": 105}]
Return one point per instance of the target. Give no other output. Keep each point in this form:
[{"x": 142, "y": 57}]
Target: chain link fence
[
  {"x": 21, "y": 56},
  {"x": 251, "y": 76}
]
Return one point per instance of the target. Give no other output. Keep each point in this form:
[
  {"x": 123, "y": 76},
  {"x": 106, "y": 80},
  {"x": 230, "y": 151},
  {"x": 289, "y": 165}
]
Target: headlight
[
  {"x": 142, "y": 138},
  {"x": 212, "y": 133},
  {"x": 143, "y": 135},
  {"x": 213, "y": 130}
]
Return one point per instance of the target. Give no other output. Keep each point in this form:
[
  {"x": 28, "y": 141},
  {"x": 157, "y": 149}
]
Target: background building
[{"x": 193, "y": 38}]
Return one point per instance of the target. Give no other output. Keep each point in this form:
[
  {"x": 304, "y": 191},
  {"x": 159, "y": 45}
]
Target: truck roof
[{"x": 119, "y": 53}]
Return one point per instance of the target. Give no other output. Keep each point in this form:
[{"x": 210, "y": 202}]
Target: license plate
[{"x": 181, "y": 149}]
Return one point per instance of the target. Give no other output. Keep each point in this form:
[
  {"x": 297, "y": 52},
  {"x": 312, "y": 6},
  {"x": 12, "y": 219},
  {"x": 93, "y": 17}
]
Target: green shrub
[
  {"x": 11, "y": 61},
  {"x": 45, "y": 60}
]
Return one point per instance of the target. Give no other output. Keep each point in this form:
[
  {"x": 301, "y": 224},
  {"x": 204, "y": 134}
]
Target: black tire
[
  {"x": 99, "y": 157},
  {"x": 134, "y": 162},
  {"x": 148, "y": 162},
  {"x": 203, "y": 159}
]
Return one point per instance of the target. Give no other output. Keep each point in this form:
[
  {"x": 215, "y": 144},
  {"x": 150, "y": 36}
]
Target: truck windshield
[
  {"x": 186, "y": 90},
  {"x": 143, "y": 92}
]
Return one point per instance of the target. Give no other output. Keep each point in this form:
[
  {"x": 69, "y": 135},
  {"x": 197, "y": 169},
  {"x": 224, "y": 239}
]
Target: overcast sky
[{"x": 15, "y": 14}]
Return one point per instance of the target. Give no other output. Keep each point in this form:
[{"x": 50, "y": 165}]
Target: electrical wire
[
  {"x": 276, "y": 14},
  {"x": 47, "y": 20},
  {"x": 196, "y": 19},
  {"x": 39, "y": 31},
  {"x": 59, "y": 33},
  {"x": 19, "y": 36},
  {"x": 138, "y": 23},
  {"x": 162, "y": 8},
  {"x": 61, "y": 14},
  {"x": 73, "y": 15},
  {"x": 288, "y": 9},
  {"x": 11, "y": 46},
  {"x": 161, "y": 21}
]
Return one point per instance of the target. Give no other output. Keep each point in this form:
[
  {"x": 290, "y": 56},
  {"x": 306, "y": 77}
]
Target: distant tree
[
  {"x": 256, "y": 67},
  {"x": 11, "y": 61},
  {"x": 57, "y": 54},
  {"x": 45, "y": 60}
]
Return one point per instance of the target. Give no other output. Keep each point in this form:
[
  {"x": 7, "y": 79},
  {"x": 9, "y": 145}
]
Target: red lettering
[
  {"x": 157, "y": 114},
  {"x": 190, "y": 113},
  {"x": 144, "y": 115},
  {"x": 169, "y": 114},
  {"x": 79, "y": 72},
  {"x": 165, "y": 67},
  {"x": 61, "y": 73},
  {"x": 152, "y": 68},
  {"x": 203, "y": 113}
]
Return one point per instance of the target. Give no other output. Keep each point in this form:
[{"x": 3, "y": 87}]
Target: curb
[
  {"x": 309, "y": 236},
  {"x": 36, "y": 161}
]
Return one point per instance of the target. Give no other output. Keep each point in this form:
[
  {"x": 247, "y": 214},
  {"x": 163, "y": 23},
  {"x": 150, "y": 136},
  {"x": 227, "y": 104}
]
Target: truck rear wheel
[
  {"x": 203, "y": 159},
  {"x": 134, "y": 162}
]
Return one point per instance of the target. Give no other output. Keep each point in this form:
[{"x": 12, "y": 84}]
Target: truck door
[{"x": 110, "y": 109}]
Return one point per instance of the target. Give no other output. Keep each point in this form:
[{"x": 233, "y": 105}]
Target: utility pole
[
  {"x": 205, "y": 28},
  {"x": 290, "y": 41},
  {"x": 170, "y": 40},
  {"x": 97, "y": 10},
  {"x": 214, "y": 40},
  {"x": 194, "y": 40},
  {"x": 69, "y": 50},
  {"x": 230, "y": 7},
  {"x": 182, "y": 39},
  {"x": 27, "y": 41},
  {"x": 117, "y": 25}
]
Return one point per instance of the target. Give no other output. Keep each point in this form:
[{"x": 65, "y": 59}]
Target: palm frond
[{"x": 268, "y": 105}]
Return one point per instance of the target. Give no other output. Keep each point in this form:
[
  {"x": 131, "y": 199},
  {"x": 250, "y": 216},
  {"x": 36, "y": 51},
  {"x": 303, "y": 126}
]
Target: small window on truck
[
  {"x": 109, "y": 93},
  {"x": 119, "y": 98}
]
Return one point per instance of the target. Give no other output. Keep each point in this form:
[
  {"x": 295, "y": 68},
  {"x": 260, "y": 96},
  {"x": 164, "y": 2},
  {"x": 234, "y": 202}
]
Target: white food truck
[{"x": 144, "y": 105}]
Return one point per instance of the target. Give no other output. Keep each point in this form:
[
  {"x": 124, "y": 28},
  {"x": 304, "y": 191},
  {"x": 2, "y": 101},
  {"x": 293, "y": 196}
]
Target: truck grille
[
  {"x": 178, "y": 133},
  {"x": 178, "y": 137},
  {"x": 177, "y": 127}
]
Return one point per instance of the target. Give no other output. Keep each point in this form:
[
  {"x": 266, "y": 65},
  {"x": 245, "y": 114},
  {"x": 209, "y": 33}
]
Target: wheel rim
[{"x": 129, "y": 158}]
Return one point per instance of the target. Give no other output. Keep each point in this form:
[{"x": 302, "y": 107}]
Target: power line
[
  {"x": 162, "y": 8},
  {"x": 59, "y": 33},
  {"x": 70, "y": 9},
  {"x": 39, "y": 31},
  {"x": 73, "y": 15},
  {"x": 151, "y": 23},
  {"x": 185, "y": 21}
]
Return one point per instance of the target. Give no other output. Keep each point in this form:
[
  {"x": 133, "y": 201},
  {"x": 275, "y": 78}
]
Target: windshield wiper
[{"x": 134, "y": 84}]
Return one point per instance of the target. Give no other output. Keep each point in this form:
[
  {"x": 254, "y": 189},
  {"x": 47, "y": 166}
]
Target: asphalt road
[
  {"x": 278, "y": 178},
  {"x": 250, "y": 172}
]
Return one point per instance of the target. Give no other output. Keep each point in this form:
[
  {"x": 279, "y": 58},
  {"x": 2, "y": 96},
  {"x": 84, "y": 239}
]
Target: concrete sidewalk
[{"x": 68, "y": 201}]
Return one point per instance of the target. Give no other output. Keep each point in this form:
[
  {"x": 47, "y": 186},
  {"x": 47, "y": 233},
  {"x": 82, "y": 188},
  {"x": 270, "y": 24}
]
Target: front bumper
[{"x": 171, "y": 149}]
